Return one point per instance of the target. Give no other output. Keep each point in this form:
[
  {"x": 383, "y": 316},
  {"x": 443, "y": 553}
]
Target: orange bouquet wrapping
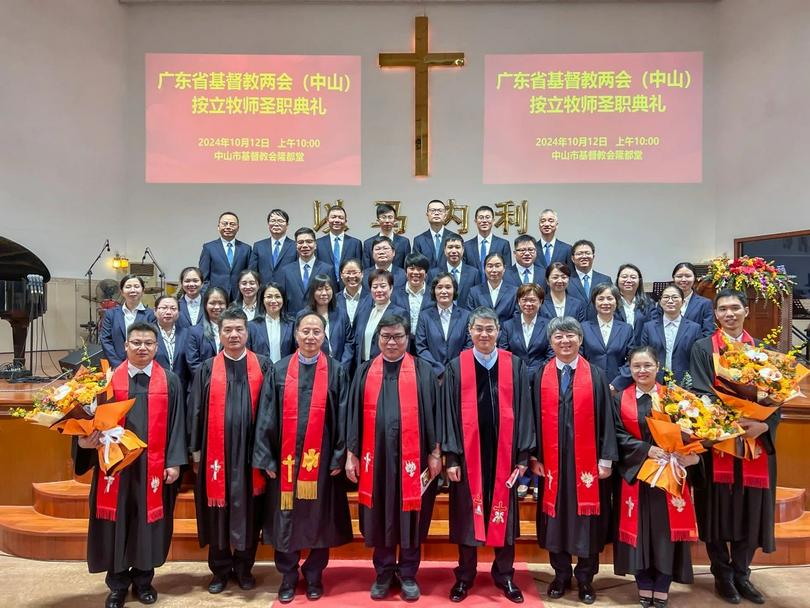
[{"x": 667, "y": 473}]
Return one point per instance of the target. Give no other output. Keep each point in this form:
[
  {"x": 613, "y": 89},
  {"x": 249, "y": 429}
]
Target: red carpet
[{"x": 347, "y": 584}]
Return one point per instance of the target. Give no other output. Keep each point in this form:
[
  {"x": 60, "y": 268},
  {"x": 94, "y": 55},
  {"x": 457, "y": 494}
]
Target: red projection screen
[
  {"x": 253, "y": 119},
  {"x": 577, "y": 118}
]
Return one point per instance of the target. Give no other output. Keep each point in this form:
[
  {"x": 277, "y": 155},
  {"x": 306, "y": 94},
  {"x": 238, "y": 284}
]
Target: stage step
[{"x": 789, "y": 504}]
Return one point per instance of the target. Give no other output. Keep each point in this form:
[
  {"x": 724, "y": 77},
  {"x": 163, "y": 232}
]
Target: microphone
[{"x": 145, "y": 251}]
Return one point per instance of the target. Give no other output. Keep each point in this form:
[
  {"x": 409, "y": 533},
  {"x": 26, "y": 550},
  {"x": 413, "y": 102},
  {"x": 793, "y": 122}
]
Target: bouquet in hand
[
  {"x": 700, "y": 418},
  {"x": 74, "y": 409},
  {"x": 667, "y": 472}
]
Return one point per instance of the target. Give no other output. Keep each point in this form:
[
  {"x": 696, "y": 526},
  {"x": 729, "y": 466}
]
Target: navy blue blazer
[
  {"x": 400, "y": 278},
  {"x": 402, "y": 247},
  {"x": 338, "y": 344},
  {"x": 215, "y": 269},
  {"x": 400, "y": 297},
  {"x": 178, "y": 363},
  {"x": 261, "y": 258},
  {"x": 350, "y": 248},
  {"x": 574, "y": 307},
  {"x": 515, "y": 276},
  {"x": 430, "y": 343},
  {"x": 184, "y": 320},
  {"x": 424, "y": 244},
  {"x": 641, "y": 317},
  {"x": 198, "y": 348},
  {"x": 472, "y": 251},
  {"x": 113, "y": 333},
  {"x": 610, "y": 357},
  {"x": 259, "y": 344},
  {"x": 689, "y": 332},
  {"x": 539, "y": 350},
  {"x": 505, "y": 305},
  {"x": 561, "y": 253},
  {"x": 289, "y": 277},
  {"x": 576, "y": 289},
  {"x": 359, "y": 328},
  {"x": 340, "y": 300},
  {"x": 701, "y": 311},
  {"x": 470, "y": 277}
]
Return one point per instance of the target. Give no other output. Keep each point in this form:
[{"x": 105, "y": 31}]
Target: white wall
[{"x": 71, "y": 169}]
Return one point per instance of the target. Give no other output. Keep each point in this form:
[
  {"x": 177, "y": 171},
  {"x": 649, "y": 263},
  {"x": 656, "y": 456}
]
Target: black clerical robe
[
  {"x": 654, "y": 547},
  {"x": 568, "y": 532},
  {"x": 462, "y": 527},
  {"x": 386, "y": 524},
  {"x": 733, "y": 512},
  {"x": 325, "y": 521},
  {"x": 237, "y": 524},
  {"x": 129, "y": 541}
]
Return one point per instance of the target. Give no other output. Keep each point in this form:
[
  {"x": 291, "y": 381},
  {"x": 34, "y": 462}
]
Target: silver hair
[
  {"x": 565, "y": 325},
  {"x": 484, "y": 313},
  {"x": 544, "y": 211}
]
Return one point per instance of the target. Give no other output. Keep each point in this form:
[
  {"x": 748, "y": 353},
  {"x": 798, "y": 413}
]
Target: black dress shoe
[
  {"x": 246, "y": 583},
  {"x": 116, "y": 598},
  {"x": 587, "y": 595},
  {"x": 146, "y": 595},
  {"x": 726, "y": 590},
  {"x": 660, "y": 602},
  {"x": 314, "y": 590},
  {"x": 511, "y": 591},
  {"x": 748, "y": 591},
  {"x": 645, "y": 602},
  {"x": 217, "y": 584},
  {"x": 557, "y": 587},
  {"x": 459, "y": 591},
  {"x": 381, "y": 586},
  {"x": 409, "y": 589},
  {"x": 286, "y": 592}
]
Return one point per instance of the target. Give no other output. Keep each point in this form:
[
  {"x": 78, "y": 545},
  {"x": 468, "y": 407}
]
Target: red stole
[
  {"x": 157, "y": 415},
  {"x": 307, "y": 484},
  {"x": 585, "y": 461},
  {"x": 681, "y": 511},
  {"x": 494, "y": 534},
  {"x": 409, "y": 434},
  {"x": 755, "y": 472},
  {"x": 215, "y": 448}
]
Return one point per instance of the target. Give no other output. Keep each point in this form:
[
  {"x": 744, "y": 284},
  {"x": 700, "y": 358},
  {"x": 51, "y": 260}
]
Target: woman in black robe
[{"x": 656, "y": 560}]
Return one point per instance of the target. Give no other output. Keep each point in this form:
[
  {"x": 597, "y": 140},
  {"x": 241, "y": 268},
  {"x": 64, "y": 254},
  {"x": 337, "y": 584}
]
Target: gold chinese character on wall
[
  {"x": 321, "y": 215},
  {"x": 510, "y": 213}
]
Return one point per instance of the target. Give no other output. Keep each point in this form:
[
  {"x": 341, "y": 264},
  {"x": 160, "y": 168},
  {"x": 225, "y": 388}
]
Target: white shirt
[
  {"x": 225, "y": 246},
  {"x": 216, "y": 336},
  {"x": 193, "y": 306},
  {"x": 132, "y": 370},
  {"x": 273, "y": 241},
  {"x": 522, "y": 269},
  {"x": 541, "y": 250},
  {"x": 377, "y": 312},
  {"x": 273, "y": 328},
  {"x": 573, "y": 366},
  {"x": 629, "y": 310},
  {"x": 302, "y": 263},
  {"x": 605, "y": 329},
  {"x": 130, "y": 315},
  {"x": 528, "y": 329},
  {"x": 444, "y": 317},
  {"x": 493, "y": 292},
  {"x": 481, "y": 239},
  {"x": 250, "y": 311},
  {"x": 415, "y": 304},
  {"x": 588, "y": 274},
  {"x": 168, "y": 342},
  {"x": 332, "y": 239},
  {"x": 351, "y": 303},
  {"x": 685, "y": 304},
  {"x": 559, "y": 308},
  {"x": 670, "y": 332}
]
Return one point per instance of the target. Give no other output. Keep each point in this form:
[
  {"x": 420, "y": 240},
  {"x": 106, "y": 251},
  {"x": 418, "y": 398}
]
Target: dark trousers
[
  {"x": 312, "y": 568},
  {"x": 653, "y": 580},
  {"x": 223, "y": 561},
  {"x": 120, "y": 581},
  {"x": 730, "y": 560},
  {"x": 385, "y": 561},
  {"x": 502, "y": 567},
  {"x": 586, "y": 569}
]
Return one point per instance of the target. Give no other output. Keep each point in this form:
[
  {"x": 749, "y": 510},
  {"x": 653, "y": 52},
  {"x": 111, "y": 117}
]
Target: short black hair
[
  {"x": 525, "y": 238},
  {"x": 320, "y": 280},
  {"x": 385, "y": 208},
  {"x": 338, "y": 208},
  {"x": 453, "y": 238},
  {"x": 355, "y": 261},
  {"x": 165, "y": 297},
  {"x": 224, "y": 213},
  {"x": 142, "y": 326},
  {"x": 730, "y": 293},
  {"x": 563, "y": 268},
  {"x": 308, "y": 312},
  {"x": 376, "y": 273},
  {"x": 686, "y": 265},
  {"x": 582, "y": 242},
  {"x": 280, "y": 212},
  {"x": 127, "y": 277},
  {"x": 605, "y": 286},
  {"x": 439, "y": 277},
  {"x": 484, "y": 208},
  {"x": 305, "y": 230},
  {"x": 392, "y": 319},
  {"x": 417, "y": 259},
  {"x": 381, "y": 239},
  {"x": 233, "y": 313}
]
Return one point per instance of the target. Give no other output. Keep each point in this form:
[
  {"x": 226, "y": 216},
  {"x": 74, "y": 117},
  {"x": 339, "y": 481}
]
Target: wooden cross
[{"x": 421, "y": 60}]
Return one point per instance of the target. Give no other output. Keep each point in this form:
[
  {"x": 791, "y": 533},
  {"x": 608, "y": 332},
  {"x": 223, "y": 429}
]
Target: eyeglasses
[
  {"x": 670, "y": 298},
  {"x": 583, "y": 254},
  {"x": 146, "y": 343},
  {"x": 229, "y": 224},
  {"x": 526, "y": 250},
  {"x": 385, "y": 338},
  {"x": 643, "y": 367},
  {"x": 163, "y": 308},
  {"x": 489, "y": 329}
]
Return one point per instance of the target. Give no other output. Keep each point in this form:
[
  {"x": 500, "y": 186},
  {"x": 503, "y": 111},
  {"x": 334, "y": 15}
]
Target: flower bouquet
[
  {"x": 667, "y": 473},
  {"x": 764, "y": 278},
  {"x": 700, "y": 418}
]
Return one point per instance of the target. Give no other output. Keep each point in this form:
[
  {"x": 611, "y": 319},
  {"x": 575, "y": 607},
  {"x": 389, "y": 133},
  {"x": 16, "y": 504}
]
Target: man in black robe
[
  {"x": 734, "y": 519},
  {"x": 386, "y": 525},
  {"x": 228, "y": 524},
  {"x": 571, "y": 532},
  {"x": 315, "y": 523},
  {"x": 130, "y": 548},
  {"x": 484, "y": 327}
]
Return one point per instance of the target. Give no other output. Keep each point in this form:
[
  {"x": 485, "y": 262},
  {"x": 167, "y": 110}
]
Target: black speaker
[{"x": 73, "y": 359}]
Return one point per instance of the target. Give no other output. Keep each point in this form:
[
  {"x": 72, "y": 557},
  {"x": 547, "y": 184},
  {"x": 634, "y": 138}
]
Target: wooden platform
[{"x": 55, "y": 528}]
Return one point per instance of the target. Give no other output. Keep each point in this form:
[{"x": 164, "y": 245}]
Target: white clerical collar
[
  {"x": 640, "y": 393},
  {"x": 572, "y": 365},
  {"x": 239, "y": 358},
  {"x": 486, "y": 360},
  {"x": 308, "y": 360},
  {"x": 393, "y": 360},
  {"x": 132, "y": 370}
]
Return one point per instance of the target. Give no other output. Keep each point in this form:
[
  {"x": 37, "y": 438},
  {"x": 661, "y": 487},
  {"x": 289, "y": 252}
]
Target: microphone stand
[
  {"x": 92, "y": 328},
  {"x": 161, "y": 274}
]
